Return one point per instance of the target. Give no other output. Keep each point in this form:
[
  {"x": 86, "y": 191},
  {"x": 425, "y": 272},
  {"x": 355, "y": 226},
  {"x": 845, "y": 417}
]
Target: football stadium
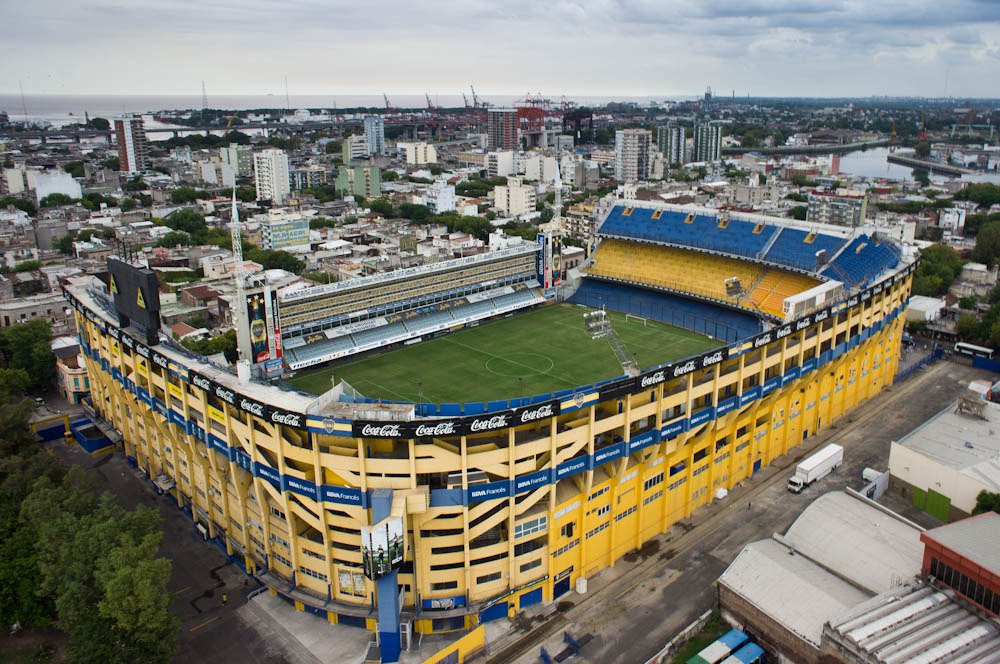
[{"x": 457, "y": 441}]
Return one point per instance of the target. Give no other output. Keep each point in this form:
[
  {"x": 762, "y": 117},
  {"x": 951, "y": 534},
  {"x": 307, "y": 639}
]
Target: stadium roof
[
  {"x": 976, "y": 538},
  {"x": 869, "y": 546},
  {"x": 965, "y": 443},
  {"x": 917, "y": 625},
  {"x": 790, "y": 589}
]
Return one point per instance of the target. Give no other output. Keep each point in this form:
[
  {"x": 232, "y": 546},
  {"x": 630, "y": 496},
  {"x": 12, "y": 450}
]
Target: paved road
[{"x": 634, "y": 608}]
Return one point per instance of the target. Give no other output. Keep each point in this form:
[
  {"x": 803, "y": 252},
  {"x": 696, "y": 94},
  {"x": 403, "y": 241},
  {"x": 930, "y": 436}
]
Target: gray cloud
[{"x": 780, "y": 47}]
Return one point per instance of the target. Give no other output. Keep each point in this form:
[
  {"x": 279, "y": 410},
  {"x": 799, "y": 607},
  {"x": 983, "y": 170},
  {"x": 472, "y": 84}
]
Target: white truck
[{"x": 816, "y": 467}]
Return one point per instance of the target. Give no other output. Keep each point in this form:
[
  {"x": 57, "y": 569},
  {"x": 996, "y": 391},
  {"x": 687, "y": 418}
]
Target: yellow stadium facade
[{"x": 501, "y": 511}]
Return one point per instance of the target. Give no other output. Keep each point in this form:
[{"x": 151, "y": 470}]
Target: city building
[
  {"x": 440, "y": 196},
  {"x": 579, "y": 223},
  {"x": 541, "y": 168},
  {"x": 54, "y": 182},
  {"x": 359, "y": 181},
  {"x": 49, "y": 307},
  {"x": 942, "y": 466},
  {"x": 840, "y": 209},
  {"x": 215, "y": 172},
  {"x": 309, "y": 177},
  {"x": 270, "y": 172},
  {"x": 952, "y": 220},
  {"x": 965, "y": 556},
  {"x": 839, "y": 553},
  {"x": 355, "y": 147},
  {"x": 375, "y": 135},
  {"x": 417, "y": 154},
  {"x": 501, "y": 128},
  {"x": 71, "y": 369},
  {"x": 707, "y": 141},
  {"x": 239, "y": 157},
  {"x": 633, "y": 154},
  {"x": 500, "y": 164},
  {"x": 515, "y": 198},
  {"x": 133, "y": 150},
  {"x": 670, "y": 141},
  {"x": 281, "y": 229}
]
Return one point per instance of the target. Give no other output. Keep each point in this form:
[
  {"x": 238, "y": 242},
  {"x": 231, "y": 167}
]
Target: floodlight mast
[{"x": 240, "y": 320}]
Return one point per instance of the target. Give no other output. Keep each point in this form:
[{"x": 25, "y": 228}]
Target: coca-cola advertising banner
[{"x": 458, "y": 426}]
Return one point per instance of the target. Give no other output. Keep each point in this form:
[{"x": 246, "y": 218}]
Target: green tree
[
  {"x": 276, "y": 259},
  {"x": 981, "y": 193},
  {"x": 922, "y": 149},
  {"x": 128, "y": 204},
  {"x": 334, "y": 147},
  {"x": 186, "y": 195},
  {"x": 416, "y": 213},
  {"x": 968, "y": 326},
  {"x": 389, "y": 176},
  {"x": 97, "y": 562},
  {"x": 224, "y": 343},
  {"x": 22, "y": 204},
  {"x": 64, "y": 244},
  {"x": 321, "y": 222},
  {"x": 93, "y": 201},
  {"x": 26, "y": 347},
  {"x": 55, "y": 200},
  {"x": 175, "y": 239},
  {"x": 987, "y": 249},
  {"x": 74, "y": 168},
  {"x": 111, "y": 162},
  {"x": 798, "y": 212},
  {"x": 939, "y": 266},
  {"x": 189, "y": 221},
  {"x": 101, "y": 124},
  {"x": 382, "y": 206},
  {"x": 968, "y": 302},
  {"x": 27, "y": 266},
  {"x": 246, "y": 194},
  {"x": 987, "y": 501}
]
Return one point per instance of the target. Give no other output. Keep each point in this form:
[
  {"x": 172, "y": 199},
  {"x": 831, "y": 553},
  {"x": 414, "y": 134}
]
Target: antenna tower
[{"x": 204, "y": 102}]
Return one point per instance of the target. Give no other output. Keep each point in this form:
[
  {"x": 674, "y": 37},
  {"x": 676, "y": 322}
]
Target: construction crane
[
  {"x": 430, "y": 104},
  {"x": 465, "y": 100},
  {"x": 388, "y": 106},
  {"x": 475, "y": 99}
]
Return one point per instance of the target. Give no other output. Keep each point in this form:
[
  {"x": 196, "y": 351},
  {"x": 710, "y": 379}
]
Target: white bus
[{"x": 971, "y": 350}]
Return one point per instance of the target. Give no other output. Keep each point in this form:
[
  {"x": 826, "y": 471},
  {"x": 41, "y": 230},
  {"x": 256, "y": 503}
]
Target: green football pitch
[{"x": 543, "y": 350}]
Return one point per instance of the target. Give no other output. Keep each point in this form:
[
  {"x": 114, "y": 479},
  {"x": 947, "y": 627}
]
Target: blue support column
[{"x": 387, "y": 589}]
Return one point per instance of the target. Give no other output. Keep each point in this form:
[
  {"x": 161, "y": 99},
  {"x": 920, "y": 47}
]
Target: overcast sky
[{"x": 605, "y": 47}]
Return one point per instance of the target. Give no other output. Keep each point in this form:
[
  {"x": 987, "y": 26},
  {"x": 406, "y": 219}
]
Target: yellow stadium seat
[{"x": 695, "y": 273}]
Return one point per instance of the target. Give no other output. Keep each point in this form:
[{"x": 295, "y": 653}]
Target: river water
[{"x": 873, "y": 163}]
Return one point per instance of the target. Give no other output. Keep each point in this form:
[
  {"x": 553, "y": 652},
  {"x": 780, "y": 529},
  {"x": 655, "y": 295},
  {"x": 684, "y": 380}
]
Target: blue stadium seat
[
  {"x": 699, "y": 231},
  {"x": 862, "y": 261},
  {"x": 791, "y": 248},
  {"x": 696, "y": 315}
]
